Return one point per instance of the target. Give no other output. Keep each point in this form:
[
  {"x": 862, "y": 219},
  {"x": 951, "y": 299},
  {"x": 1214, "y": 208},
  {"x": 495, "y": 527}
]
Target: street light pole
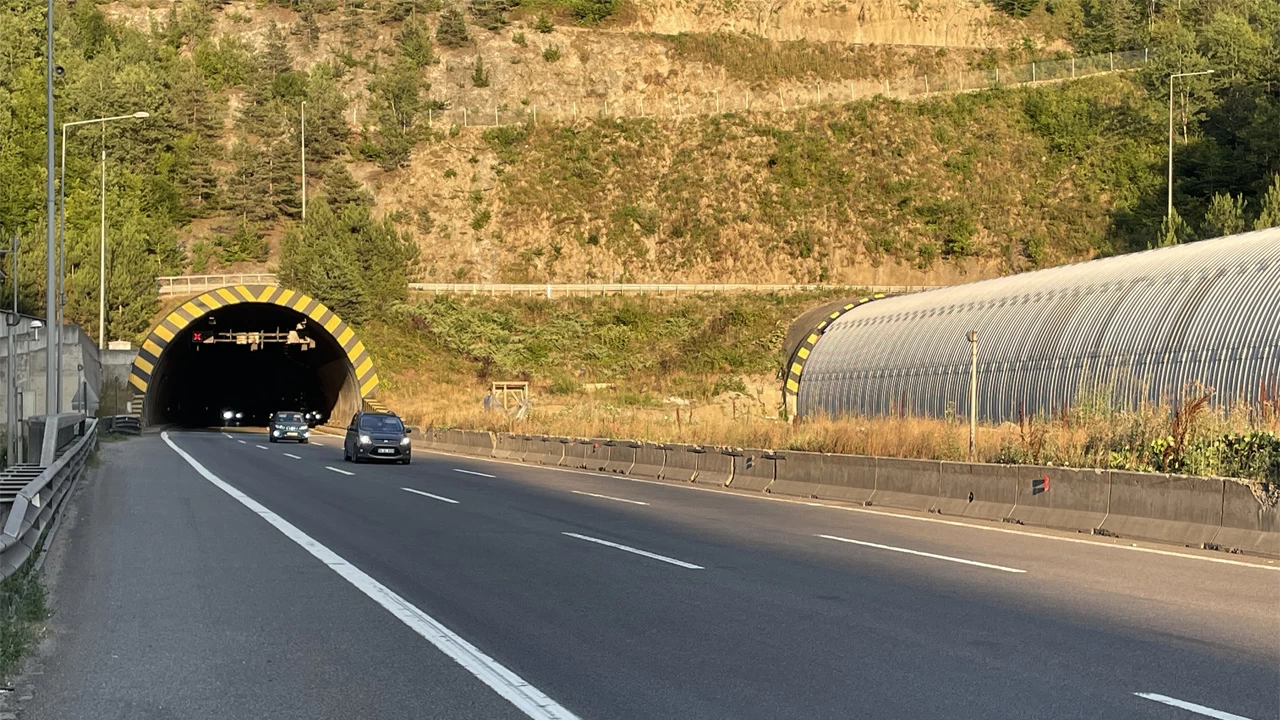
[
  {"x": 1169, "y": 207},
  {"x": 102, "y": 252},
  {"x": 50, "y": 288},
  {"x": 62, "y": 232},
  {"x": 973, "y": 394}
]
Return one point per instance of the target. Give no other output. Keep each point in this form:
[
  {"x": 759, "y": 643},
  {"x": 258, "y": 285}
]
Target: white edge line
[
  {"x": 636, "y": 551},
  {"x": 608, "y": 497},
  {"x": 909, "y": 551},
  {"x": 1200, "y": 709},
  {"x": 473, "y": 472},
  {"x": 441, "y": 498},
  {"x": 882, "y": 513},
  {"x": 530, "y": 700},
  {"x": 337, "y": 470},
  {"x": 295, "y": 457}
]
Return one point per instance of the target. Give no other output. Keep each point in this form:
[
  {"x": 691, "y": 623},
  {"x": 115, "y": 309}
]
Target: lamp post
[
  {"x": 304, "y": 161},
  {"x": 1169, "y": 209},
  {"x": 973, "y": 394},
  {"x": 50, "y": 295},
  {"x": 62, "y": 235}
]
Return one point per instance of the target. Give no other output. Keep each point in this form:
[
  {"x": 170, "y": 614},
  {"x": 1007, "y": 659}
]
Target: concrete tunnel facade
[{"x": 185, "y": 379}]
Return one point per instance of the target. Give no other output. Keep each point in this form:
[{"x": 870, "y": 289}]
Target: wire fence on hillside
[{"x": 678, "y": 105}]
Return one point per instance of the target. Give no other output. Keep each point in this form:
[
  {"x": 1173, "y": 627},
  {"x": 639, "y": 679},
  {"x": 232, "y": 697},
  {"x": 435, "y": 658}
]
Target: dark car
[
  {"x": 288, "y": 425},
  {"x": 376, "y": 436}
]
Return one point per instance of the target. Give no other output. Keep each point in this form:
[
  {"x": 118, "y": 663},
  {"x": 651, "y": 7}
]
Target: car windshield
[
  {"x": 288, "y": 417},
  {"x": 381, "y": 423}
]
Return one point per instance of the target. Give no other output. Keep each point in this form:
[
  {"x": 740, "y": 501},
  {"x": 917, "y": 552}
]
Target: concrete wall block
[
  {"x": 799, "y": 474},
  {"x": 650, "y": 461},
  {"x": 977, "y": 490},
  {"x": 753, "y": 469},
  {"x": 622, "y": 455},
  {"x": 714, "y": 467},
  {"x": 682, "y": 462},
  {"x": 1172, "y": 508},
  {"x": 907, "y": 484},
  {"x": 1074, "y": 500},
  {"x": 1248, "y": 525}
]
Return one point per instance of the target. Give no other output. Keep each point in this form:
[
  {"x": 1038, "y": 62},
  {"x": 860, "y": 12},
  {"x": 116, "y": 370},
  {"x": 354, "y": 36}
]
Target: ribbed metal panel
[{"x": 1144, "y": 328}]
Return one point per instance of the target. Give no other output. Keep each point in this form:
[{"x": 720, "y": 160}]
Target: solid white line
[
  {"x": 609, "y": 497},
  {"x": 473, "y": 472},
  {"x": 441, "y": 498},
  {"x": 295, "y": 457},
  {"x": 948, "y": 558},
  {"x": 1199, "y": 709},
  {"x": 882, "y": 513},
  {"x": 242, "y": 442},
  {"x": 344, "y": 472},
  {"x": 530, "y": 700},
  {"x": 645, "y": 553},
  {"x": 262, "y": 447}
]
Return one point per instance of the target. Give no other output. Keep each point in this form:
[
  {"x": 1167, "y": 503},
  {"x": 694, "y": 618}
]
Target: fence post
[
  {"x": 926, "y": 85},
  {"x": 997, "y": 74},
  {"x": 535, "y": 114},
  {"x": 1111, "y": 58},
  {"x": 464, "y": 117},
  {"x": 887, "y": 91},
  {"x": 429, "y": 118},
  {"x": 782, "y": 101},
  {"x": 495, "y": 115},
  {"x": 1145, "y": 55},
  {"x": 1073, "y": 67},
  {"x": 606, "y": 108},
  {"x": 853, "y": 95},
  {"x": 1033, "y": 72}
]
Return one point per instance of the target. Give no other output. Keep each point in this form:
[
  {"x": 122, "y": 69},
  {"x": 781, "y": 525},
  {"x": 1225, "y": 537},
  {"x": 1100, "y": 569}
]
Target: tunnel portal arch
[{"x": 167, "y": 370}]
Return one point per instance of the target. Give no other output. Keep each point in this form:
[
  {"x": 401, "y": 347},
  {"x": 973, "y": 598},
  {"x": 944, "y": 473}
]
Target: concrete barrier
[
  {"x": 753, "y": 469},
  {"x": 851, "y": 478},
  {"x": 977, "y": 490},
  {"x": 1070, "y": 499},
  {"x": 575, "y": 453},
  {"x": 477, "y": 442},
  {"x": 651, "y": 459},
  {"x": 1172, "y": 508},
  {"x": 508, "y": 447},
  {"x": 799, "y": 474},
  {"x": 543, "y": 450},
  {"x": 622, "y": 455},
  {"x": 566, "y": 449},
  {"x": 682, "y": 462},
  {"x": 906, "y": 484},
  {"x": 596, "y": 455},
  {"x": 715, "y": 466},
  {"x": 1248, "y": 525}
]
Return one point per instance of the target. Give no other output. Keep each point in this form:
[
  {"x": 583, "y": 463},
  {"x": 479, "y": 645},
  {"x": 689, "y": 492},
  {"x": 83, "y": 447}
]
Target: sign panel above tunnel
[{"x": 259, "y": 347}]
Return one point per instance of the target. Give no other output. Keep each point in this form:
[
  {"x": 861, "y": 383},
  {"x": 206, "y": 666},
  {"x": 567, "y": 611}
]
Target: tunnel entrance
[{"x": 251, "y": 351}]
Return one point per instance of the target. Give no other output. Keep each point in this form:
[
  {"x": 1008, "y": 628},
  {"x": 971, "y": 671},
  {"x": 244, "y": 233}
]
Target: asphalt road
[{"x": 603, "y": 597}]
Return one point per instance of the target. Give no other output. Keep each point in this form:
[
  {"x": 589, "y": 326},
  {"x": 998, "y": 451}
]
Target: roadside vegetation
[{"x": 22, "y": 609}]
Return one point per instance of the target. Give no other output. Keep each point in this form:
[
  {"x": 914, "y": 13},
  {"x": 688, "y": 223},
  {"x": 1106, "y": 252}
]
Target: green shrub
[{"x": 551, "y": 53}]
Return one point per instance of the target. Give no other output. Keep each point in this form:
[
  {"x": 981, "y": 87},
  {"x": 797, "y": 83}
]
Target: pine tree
[
  {"x": 1174, "y": 231},
  {"x": 415, "y": 43},
  {"x": 452, "y": 30},
  {"x": 479, "y": 78},
  {"x": 341, "y": 189},
  {"x": 1270, "y": 216},
  {"x": 319, "y": 259},
  {"x": 276, "y": 58},
  {"x": 247, "y": 190},
  {"x": 1225, "y": 215},
  {"x": 327, "y": 128}
]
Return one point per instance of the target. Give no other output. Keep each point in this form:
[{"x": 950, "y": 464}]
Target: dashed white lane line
[
  {"x": 441, "y": 498},
  {"x": 473, "y": 472},
  {"x": 513, "y": 688},
  {"x": 340, "y": 472},
  {"x": 242, "y": 442},
  {"x": 908, "y": 551},
  {"x": 636, "y": 551},
  {"x": 291, "y": 455},
  {"x": 228, "y": 436},
  {"x": 608, "y": 497},
  {"x": 1198, "y": 709},
  {"x": 262, "y": 447}
]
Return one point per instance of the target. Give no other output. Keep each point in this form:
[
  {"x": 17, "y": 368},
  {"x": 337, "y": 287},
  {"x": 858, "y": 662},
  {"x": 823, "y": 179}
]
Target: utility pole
[
  {"x": 304, "y": 161},
  {"x": 50, "y": 286},
  {"x": 11, "y": 363},
  {"x": 973, "y": 395},
  {"x": 102, "y": 253}
]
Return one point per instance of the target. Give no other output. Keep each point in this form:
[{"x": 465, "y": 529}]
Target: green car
[{"x": 288, "y": 425}]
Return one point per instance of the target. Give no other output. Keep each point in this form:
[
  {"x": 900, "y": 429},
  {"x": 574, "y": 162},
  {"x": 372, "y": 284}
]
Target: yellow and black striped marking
[
  {"x": 173, "y": 324},
  {"x": 805, "y": 349}
]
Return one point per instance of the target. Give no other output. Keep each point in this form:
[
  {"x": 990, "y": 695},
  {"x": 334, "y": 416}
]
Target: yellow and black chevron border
[
  {"x": 175, "y": 322},
  {"x": 805, "y": 349}
]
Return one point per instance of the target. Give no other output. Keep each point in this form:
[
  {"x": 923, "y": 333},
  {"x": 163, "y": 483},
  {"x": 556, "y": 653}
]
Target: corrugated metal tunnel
[{"x": 1140, "y": 328}]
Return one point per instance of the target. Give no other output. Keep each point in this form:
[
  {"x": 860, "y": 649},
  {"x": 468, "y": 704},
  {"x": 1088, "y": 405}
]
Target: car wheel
[
  {"x": 404, "y": 461},
  {"x": 305, "y": 441},
  {"x": 346, "y": 456}
]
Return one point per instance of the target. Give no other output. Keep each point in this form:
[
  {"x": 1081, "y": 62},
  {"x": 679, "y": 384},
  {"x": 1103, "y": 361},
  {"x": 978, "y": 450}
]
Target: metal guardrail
[
  {"x": 38, "y": 501},
  {"x": 184, "y": 284},
  {"x": 572, "y": 290},
  {"x": 126, "y": 424}
]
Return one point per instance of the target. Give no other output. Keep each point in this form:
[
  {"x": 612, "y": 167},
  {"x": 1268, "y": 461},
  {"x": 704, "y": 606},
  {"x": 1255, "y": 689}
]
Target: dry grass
[{"x": 1153, "y": 438}]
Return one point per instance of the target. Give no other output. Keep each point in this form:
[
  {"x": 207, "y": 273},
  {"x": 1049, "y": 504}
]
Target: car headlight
[
  {"x": 365, "y": 440},
  {"x": 404, "y": 441},
  {"x": 276, "y": 433},
  {"x": 239, "y": 416},
  {"x": 306, "y": 433},
  {"x": 227, "y": 414}
]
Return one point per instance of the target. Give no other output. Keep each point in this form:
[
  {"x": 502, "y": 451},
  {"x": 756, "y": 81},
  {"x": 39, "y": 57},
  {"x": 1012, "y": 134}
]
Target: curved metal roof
[{"x": 1143, "y": 327}]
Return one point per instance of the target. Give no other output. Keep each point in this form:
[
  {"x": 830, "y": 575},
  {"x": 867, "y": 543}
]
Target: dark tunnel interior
[{"x": 213, "y": 366}]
